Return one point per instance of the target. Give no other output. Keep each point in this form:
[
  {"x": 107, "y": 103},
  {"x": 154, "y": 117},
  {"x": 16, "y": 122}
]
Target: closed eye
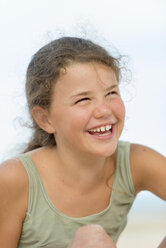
[
  {"x": 82, "y": 99},
  {"x": 112, "y": 93}
]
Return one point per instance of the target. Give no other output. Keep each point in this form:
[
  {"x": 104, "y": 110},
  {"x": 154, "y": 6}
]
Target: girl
[{"x": 76, "y": 182}]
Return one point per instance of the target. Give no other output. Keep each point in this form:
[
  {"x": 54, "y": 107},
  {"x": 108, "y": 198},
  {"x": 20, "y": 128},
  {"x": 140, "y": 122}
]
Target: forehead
[{"x": 83, "y": 75}]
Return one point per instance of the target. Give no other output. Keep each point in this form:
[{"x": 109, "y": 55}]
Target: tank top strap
[
  {"x": 35, "y": 183},
  {"x": 123, "y": 180}
]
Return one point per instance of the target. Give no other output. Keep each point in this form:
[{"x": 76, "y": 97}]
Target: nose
[{"x": 102, "y": 109}]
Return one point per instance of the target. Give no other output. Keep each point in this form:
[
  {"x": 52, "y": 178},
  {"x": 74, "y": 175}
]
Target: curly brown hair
[{"x": 44, "y": 70}]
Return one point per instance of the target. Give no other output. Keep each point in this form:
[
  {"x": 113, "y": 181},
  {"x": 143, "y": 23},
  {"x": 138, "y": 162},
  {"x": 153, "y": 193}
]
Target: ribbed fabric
[{"x": 46, "y": 226}]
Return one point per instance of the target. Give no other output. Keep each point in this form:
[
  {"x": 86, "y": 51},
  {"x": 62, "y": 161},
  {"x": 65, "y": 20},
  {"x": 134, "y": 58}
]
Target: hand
[{"x": 91, "y": 236}]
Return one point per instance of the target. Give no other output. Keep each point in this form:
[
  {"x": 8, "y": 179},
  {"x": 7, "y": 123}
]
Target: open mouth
[{"x": 101, "y": 131}]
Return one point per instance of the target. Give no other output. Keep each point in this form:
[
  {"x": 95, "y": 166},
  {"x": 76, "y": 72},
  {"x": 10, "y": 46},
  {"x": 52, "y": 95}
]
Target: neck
[{"x": 83, "y": 170}]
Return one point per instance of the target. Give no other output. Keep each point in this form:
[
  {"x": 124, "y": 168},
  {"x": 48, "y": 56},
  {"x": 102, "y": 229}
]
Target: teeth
[
  {"x": 108, "y": 127},
  {"x": 104, "y": 134},
  {"x": 101, "y": 129}
]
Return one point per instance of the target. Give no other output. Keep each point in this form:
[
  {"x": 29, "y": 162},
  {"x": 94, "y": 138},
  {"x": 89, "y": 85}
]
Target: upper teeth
[{"x": 101, "y": 129}]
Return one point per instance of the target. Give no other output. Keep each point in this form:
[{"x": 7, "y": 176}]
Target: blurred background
[{"x": 133, "y": 28}]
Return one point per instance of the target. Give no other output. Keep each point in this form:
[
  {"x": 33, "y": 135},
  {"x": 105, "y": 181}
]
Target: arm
[
  {"x": 13, "y": 199},
  {"x": 163, "y": 244},
  {"x": 148, "y": 169}
]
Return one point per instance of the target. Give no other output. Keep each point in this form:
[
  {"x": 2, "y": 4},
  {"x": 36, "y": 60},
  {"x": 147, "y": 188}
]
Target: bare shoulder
[
  {"x": 13, "y": 198},
  {"x": 13, "y": 175},
  {"x": 148, "y": 168}
]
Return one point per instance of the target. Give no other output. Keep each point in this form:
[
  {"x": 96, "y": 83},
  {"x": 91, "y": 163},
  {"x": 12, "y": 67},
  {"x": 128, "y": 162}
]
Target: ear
[{"x": 40, "y": 115}]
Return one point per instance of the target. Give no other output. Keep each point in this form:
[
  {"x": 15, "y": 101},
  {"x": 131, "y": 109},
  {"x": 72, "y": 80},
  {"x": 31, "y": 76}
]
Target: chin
[{"x": 105, "y": 151}]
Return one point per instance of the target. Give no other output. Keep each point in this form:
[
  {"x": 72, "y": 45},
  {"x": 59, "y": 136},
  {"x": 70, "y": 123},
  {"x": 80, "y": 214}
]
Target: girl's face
[{"x": 87, "y": 112}]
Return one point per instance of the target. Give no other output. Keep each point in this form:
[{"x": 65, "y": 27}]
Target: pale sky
[{"x": 135, "y": 28}]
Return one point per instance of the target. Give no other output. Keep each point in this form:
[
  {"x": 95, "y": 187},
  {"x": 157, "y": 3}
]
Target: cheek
[
  {"x": 79, "y": 119},
  {"x": 72, "y": 119},
  {"x": 119, "y": 109}
]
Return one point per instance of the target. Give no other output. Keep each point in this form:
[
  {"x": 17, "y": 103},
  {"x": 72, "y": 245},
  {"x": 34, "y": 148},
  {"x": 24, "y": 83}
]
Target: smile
[
  {"x": 103, "y": 132},
  {"x": 101, "y": 129}
]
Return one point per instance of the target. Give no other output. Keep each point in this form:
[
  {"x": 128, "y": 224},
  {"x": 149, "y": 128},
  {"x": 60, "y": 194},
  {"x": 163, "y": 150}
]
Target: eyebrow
[{"x": 85, "y": 93}]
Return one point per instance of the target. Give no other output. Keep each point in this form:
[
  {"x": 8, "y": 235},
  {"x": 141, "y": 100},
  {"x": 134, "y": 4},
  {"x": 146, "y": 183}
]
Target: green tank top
[{"x": 46, "y": 226}]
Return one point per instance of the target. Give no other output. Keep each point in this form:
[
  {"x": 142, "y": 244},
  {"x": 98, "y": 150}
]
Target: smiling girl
[{"x": 75, "y": 183}]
